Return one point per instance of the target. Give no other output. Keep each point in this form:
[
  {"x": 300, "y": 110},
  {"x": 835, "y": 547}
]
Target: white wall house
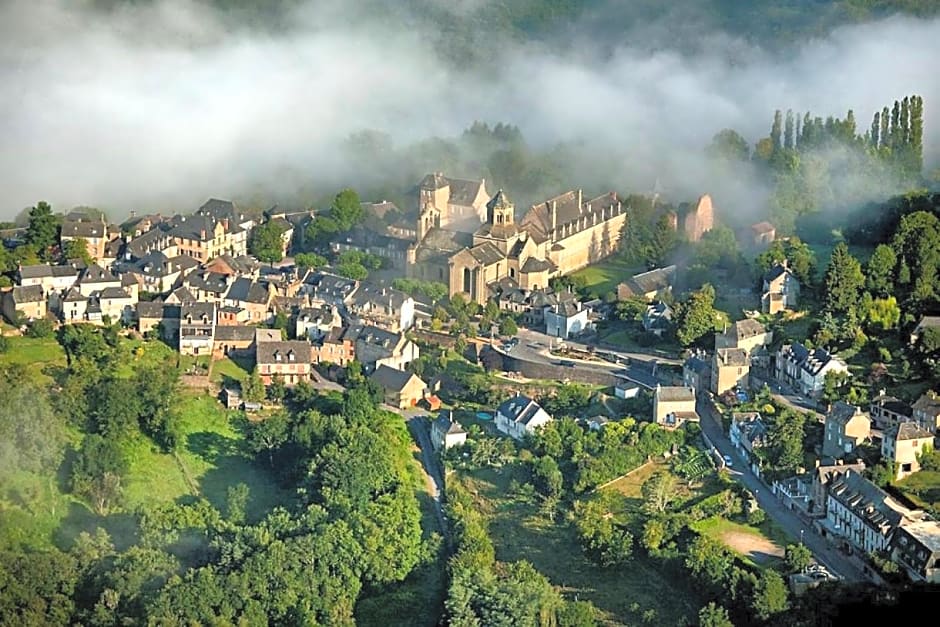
[{"x": 520, "y": 416}]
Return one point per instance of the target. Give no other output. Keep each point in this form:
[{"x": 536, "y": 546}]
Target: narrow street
[
  {"x": 420, "y": 430},
  {"x": 837, "y": 563}
]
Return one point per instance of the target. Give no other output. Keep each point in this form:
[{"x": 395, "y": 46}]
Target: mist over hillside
[{"x": 158, "y": 105}]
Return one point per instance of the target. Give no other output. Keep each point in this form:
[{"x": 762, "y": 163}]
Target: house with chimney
[
  {"x": 657, "y": 319},
  {"x": 888, "y": 411},
  {"x": 233, "y": 340},
  {"x": 94, "y": 231},
  {"x": 846, "y": 428},
  {"x": 375, "y": 347},
  {"x": 227, "y": 265},
  {"x": 254, "y": 297},
  {"x": 823, "y": 475},
  {"x": 208, "y": 287},
  {"x": 748, "y": 434},
  {"x": 446, "y": 432},
  {"x": 862, "y": 515},
  {"x": 673, "y": 406},
  {"x": 566, "y": 319},
  {"x": 402, "y": 389},
  {"x": 289, "y": 359},
  {"x": 94, "y": 278},
  {"x": 520, "y": 416},
  {"x": 156, "y": 273},
  {"x": 197, "y": 328},
  {"x": 52, "y": 279},
  {"x": 325, "y": 288},
  {"x": 926, "y": 411},
  {"x": 382, "y": 306},
  {"x": 652, "y": 285},
  {"x": 780, "y": 290},
  {"x": 696, "y": 371},
  {"x": 747, "y": 335},
  {"x": 903, "y": 444},
  {"x": 334, "y": 347},
  {"x": 805, "y": 370},
  {"x": 158, "y": 315},
  {"x": 730, "y": 368},
  {"x": 916, "y": 548},
  {"x": 315, "y": 322},
  {"x": 28, "y": 303}
]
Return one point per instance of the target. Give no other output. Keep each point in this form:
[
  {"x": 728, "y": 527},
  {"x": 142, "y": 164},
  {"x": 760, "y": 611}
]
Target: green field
[
  {"x": 39, "y": 356},
  {"x": 923, "y": 488},
  {"x": 622, "y": 594},
  {"x": 768, "y": 539},
  {"x": 602, "y": 278}
]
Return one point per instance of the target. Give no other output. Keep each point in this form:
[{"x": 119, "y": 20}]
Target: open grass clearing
[
  {"x": 602, "y": 278},
  {"x": 520, "y": 532},
  {"x": 761, "y": 546}
]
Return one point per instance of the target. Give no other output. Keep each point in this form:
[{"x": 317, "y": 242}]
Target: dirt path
[{"x": 760, "y": 550}]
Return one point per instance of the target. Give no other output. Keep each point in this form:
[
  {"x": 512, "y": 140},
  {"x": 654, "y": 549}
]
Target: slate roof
[
  {"x": 746, "y": 328},
  {"x": 439, "y": 242},
  {"x": 222, "y": 210},
  {"x": 462, "y": 192},
  {"x": 327, "y": 286},
  {"x": 43, "y": 270},
  {"x": 695, "y": 364},
  {"x": 281, "y": 352},
  {"x": 197, "y": 311},
  {"x": 673, "y": 394},
  {"x": 380, "y": 208},
  {"x": 928, "y": 403},
  {"x": 752, "y": 428},
  {"x": 911, "y": 431},
  {"x": 654, "y": 280},
  {"x": 486, "y": 253},
  {"x": 245, "y": 290},
  {"x": 372, "y": 295},
  {"x": 446, "y": 424},
  {"x": 158, "y": 310},
  {"x": 892, "y": 404},
  {"x": 537, "y": 265},
  {"x": 569, "y": 207},
  {"x": 731, "y": 357},
  {"x": 28, "y": 294},
  {"x": 234, "y": 333},
  {"x": 208, "y": 282},
  {"x": 927, "y": 322},
  {"x": 520, "y": 409},
  {"x": 86, "y": 229},
  {"x": 866, "y": 500},
  {"x": 183, "y": 295},
  {"x": 200, "y": 228},
  {"x": 373, "y": 335},
  {"x": 392, "y": 379},
  {"x": 841, "y": 413},
  {"x": 141, "y": 245},
  {"x": 566, "y": 309},
  {"x": 812, "y": 362},
  {"x": 73, "y": 296},
  {"x": 113, "y": 292},
  {"x": 775, "y": 272}
]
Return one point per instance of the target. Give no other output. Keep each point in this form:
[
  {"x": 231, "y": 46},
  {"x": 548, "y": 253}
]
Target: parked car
[{"x": 728, "y": 461}]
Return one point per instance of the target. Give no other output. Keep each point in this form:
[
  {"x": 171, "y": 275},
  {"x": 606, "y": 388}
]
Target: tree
[
  {"x": 346, "y": 209},
  {"x": 268, "y": 434},
  {"x": 879, "y": 277},
  {"x": 662, "y": 242},
  {"x": 884, "y": 313},
  {"x": 32, "y": 434},
  {"x": 844, "y": 281},
  {"x": 659, "y": 491},
  {"x": 43, "y": 230},
  {"x": 696, "y": 316},
  {"x": 278, "y": 389},
  {"x": 507, "y": 326},
  {"x": 253, "y": 387},
  {"x": 236, "y": 503},
  {"x": 77, "y": 249},
  {"x": 265, "y": 242},
  {"x": 547, "y": 476},
  {"x": 308, "y": 261},
  {"x": 96, "y": 473},
  {"x": 798, "y": 557},
  {"x": 714, "y": 615},
  {"x": 729, "y": 145},
  {"x": 770, "y": 595},
  {"x": 40, "y": 328},
  {"x": 833, "y": 383}
]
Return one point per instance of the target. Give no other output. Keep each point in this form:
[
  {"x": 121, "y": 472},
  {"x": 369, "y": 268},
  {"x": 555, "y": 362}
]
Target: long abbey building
[{"x": 471, "y": 241}]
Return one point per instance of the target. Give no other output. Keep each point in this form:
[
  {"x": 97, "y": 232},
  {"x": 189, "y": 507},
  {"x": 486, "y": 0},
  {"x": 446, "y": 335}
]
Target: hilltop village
[{"x": 721, "y": 362}]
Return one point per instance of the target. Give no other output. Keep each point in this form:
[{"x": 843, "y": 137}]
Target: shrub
[{"x": 41, "y": 328}]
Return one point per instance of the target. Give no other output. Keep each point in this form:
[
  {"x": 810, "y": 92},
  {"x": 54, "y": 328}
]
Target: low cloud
[{"x": 162, "y": 105}]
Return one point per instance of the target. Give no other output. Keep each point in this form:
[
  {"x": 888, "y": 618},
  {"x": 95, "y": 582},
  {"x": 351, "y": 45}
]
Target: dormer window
[
  {"x": 277, "y": 356},
  {"x": 290, "y": 356}
]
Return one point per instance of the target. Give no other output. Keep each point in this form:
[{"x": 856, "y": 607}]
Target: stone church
[{"x": 554, "y": 238}]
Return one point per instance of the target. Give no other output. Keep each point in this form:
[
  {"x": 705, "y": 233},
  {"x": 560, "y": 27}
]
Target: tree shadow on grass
[
  {"x": 121, "y": 526},
  {"x": 210, "y": 445}
]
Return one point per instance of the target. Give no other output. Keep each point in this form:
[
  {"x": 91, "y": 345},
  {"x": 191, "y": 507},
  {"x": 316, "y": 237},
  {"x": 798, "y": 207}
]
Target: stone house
[
  {"x": 863, "y": 515},
  {"x": 50, "y": 278},
  {"x": 762, "y": 234},
  {"x": 446, "y": 432},
  {"x": 254, "y": 297},
  {"x": 903, "y": 444},
  {"x": 804, "y": 370},
  {"x": 847, "y": 426},
  {"x": 73, "y": 306},
  {"x": 696, "y": 371},
  {"x": 566, "y": 319},
  {"x": 747, "y": 334},
  {"x": 520, "y": 416},
  {"x": 926, "y": 410},
  {"x": 290, "y": 359},
  {"x": 197, "y": 328},
  {"x": 375, "y": 347},
  {"x": 781, "y": 290},
  {"x": 823, "y": 475},
  {"x": 335, "y": 347},
  {"x": 888, "y": 411},
  {"x": 916, "y": 548},
  {"x": 233, "y": 340},
  {"x": 382, "y": 306},
  {"x": 657, "y": 318},
  {"x": 673, "y": 406},
  {"x": 730, "y": 367},
  {"x": 651, "y": 285},
  {"x": 208, "y": 287},
  {"x": 26, "y": 301},
  {"x": 402, "y": 389},
  {"x": 95, "y": 232},
  {"x": 151, "y": 315},
  {"x": 748, "y": 433},
  {"x": 156, "y": 273},
  {"x": 115, "y": 303},
  {"x": 315, "y": 322}
]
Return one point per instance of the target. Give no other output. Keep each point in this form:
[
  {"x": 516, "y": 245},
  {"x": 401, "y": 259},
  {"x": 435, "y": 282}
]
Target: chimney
[
  {"x": 225, "y": 223},
  {"x": 817, "y": 463},
  {"x": 202, "y": 234},
  {"x": 554, "y": 216}
]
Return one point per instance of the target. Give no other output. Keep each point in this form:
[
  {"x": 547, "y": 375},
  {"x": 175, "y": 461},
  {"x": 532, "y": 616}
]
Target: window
[{"x": 466, "y": 280}]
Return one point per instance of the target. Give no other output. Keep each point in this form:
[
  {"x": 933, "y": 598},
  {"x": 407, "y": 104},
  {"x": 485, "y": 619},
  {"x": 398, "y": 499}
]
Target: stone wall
[
  {"x": 533, "y": 370},
  {"x": 590, "y": 245}
]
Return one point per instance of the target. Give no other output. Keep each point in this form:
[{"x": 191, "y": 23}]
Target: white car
[{"x": 728, "y": 462}]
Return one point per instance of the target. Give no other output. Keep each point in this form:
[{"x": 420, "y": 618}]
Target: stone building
[
  {"x": 554, "y": 238},
  {"x": 693, "y": 221}
]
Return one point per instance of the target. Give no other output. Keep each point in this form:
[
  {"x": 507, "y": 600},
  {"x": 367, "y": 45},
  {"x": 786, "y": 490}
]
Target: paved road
[
  {"x": 837, "y": 563},
  {"x": 420, "y": 428},
  {"x": 535, "y": 347}
]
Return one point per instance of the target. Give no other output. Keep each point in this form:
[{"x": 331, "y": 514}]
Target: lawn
[
  {"x": 602, "y": 278},
  {"x": 227, "y": 369},
  {"x": 621, "y": 594},
  {"x": 922, "y": 488},
  {"x": 759, "y": 546},
  {"x": 35, "y": 354},
  {"x": 631, "y": 485}
]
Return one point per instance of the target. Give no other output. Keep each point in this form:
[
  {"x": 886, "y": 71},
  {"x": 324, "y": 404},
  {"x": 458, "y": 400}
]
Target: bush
[
  {"x": 756, "y": 517},
  {"x": 4, "y": 344},
  {"x": 41, "y": 328}
]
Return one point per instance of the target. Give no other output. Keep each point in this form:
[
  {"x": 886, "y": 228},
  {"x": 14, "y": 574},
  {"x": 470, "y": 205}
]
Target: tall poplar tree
[
  {"x": 896, "y": 128},
  {"x": 799, "y": 131},
  {"x": 875, "y": 128},
  {"x": 905, "y": 133},
  {"x": 788, "y": 141},
  {"x": 916, "y": 164},
  {"x": 885, "y": 131},
  {"x": 776, "y": 131}
]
